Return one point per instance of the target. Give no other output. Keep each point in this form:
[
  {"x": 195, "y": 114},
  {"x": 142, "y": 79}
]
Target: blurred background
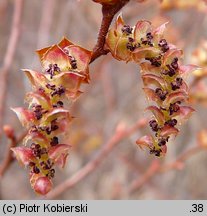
[{"x": 113, "y": 96}]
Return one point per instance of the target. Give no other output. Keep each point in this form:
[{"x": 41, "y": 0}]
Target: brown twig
[
  {"x": 156, "y": 168},
  {"x": 9, "y": 56},
  {"x": 8, "y": 158},
  {"x": 181, "y": 159},
  {"x": 108, "y": 12},
  {"x": 150, "y": 172},
  {"x": 120, "y": 134},
  {"x": 47, "y": 16}
]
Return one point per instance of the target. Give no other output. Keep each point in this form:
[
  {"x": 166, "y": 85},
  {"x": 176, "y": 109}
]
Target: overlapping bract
[
  {"x": 162, "y": 75},
  {"x": 65, "y": 68}
]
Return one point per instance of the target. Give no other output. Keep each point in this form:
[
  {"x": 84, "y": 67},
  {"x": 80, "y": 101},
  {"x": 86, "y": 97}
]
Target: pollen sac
[
  {"x": 65, "y": 68},
  {"x": 162, "y": 73}
]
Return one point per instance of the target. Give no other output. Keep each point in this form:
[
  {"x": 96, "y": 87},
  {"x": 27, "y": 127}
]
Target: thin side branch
[
  {"x": 120, "y": 134},
  {"x": 8, "y": 158},
  {"x": 156, "y": 168},
  {"x": 108, "y": 14},
  {"x": 9, "y": 56}
]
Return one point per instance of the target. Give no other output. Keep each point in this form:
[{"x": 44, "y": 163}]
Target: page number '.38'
[{"x": 197, "y": 208}]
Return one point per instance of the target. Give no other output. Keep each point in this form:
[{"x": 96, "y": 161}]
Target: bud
[
  {"x": 42, "y": 185},
  {"x": 9, "y": 131}
]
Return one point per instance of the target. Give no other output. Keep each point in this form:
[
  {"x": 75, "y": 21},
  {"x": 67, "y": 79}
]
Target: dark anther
[
  {"x": 149, "y": 36},
  {"x": 37, "y": 109},
  {"x": 48, "y": 131},
  {"x": 35, "y": 146},
  {"x": 156, "y": 61},
  {"x": 58, "y": 104},
  {"x": 73, "y": 62},
  {"x": 171, "y": 122},
  {"x": 38, "y": 115},
  {"x": 54, "y": 127},
  {"x": 45, "y": 165},
  {"x": 173, "y": 108},
  {"x": 162, "y": 141},
  {"x": 36, "y": 170},
  {"x": 50, "y": 163},
  {"x": 145, "y": 42},
  {"x": 177, "y": 83},
  {"x": 42, "y": 163},
  {"x": 174, "y": 86},
  {"x": 174, "y": 63},
  {"x": 58, "y": 91},
  {"x": 130, "y": 39},
  {"x": 127, "y": 29},
  {"x": 162, "y": 108},
  {"x": 153, "y": 124},
  {"x": 152, "y": 151},
  {"x": 52, "y": 69},
  {"x": 49, "y": 86},
  {"x": 130, "y": 46},
  {"x": 51, "y": 173},
  {"x": 163, "y": 44},
  {"x": 37, "y": 152},
  {"x": 161, "y": 94},
  {"x": 157, "y": 152},
  {"x": 41, "y": 90},
  {"x": 54, "y": 141},
  {"x": 171, "y": 72}
]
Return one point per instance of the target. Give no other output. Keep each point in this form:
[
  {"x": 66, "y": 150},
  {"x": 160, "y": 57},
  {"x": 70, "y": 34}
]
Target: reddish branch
[
  {"x": 156, "y": 168},
  {"x": 8, "y": 158},
  {"x": 108, "y": 12},
  {"x": 9, "y": 56},
  {"x": 120, "y": 134},
  {"x": 47, "y": 16}
]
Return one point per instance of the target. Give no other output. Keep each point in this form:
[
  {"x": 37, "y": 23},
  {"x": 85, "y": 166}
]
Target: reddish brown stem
[
  {"x": 156, "y": 168},
  {"x": 108, "y": 11},
  {"x": 151, "y": 171},
  {"x": 9, "y": 56},
  {"x": 8, "y": 158},
  {"x": 181, "y": 159},
  {"x": 92, "y": 165}
]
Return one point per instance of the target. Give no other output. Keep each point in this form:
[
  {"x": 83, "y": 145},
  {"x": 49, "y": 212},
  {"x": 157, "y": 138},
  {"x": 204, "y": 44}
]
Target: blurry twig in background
[
  {"x": 46, "y": 22},
  {"x": 13, "y": 141},
  {"x": 156, "y": 167},
  {"x": 108, "y": 14},
  {"x": 9, "y": 55},
  {"x": 146, "y": 176},
  {"x": 121, "y": 133}
]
